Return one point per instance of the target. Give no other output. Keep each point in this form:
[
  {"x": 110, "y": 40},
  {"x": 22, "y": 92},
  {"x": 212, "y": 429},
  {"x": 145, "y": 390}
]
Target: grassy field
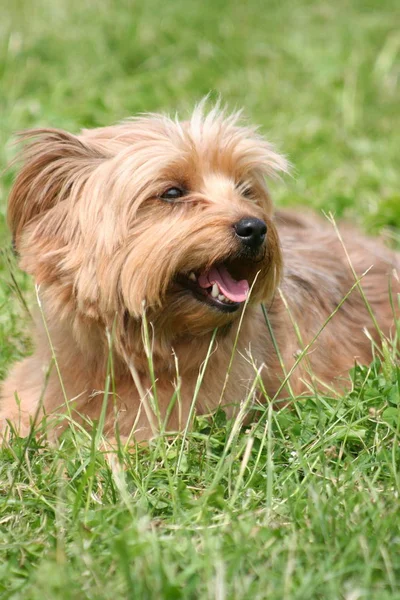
[{"x": 305, "y": 504}]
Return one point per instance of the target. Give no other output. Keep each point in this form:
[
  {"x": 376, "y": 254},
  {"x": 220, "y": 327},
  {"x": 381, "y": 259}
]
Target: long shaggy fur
[{"x": 90, "y": 225}]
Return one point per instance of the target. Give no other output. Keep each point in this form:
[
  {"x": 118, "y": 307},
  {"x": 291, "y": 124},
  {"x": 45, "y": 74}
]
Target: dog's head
[{"x": 172, "y": 215}]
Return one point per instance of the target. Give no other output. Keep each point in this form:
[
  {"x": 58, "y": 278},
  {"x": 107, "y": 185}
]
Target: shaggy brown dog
[{"x": 175, "y": 219}]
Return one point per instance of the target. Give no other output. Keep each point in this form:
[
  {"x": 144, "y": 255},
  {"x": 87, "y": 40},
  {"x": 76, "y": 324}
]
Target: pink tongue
[{"x": 234, "y": 290}]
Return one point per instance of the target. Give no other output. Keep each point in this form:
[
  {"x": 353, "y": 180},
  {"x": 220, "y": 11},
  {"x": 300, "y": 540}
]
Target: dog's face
[{"x": 152, "y": 212}]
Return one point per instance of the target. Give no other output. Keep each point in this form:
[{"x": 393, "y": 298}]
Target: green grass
[{"x": 305, "y": 504}]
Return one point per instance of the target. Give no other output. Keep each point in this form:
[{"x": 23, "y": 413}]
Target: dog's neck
[
  {"x": 124, "y": 339},
  {"x": 168, "y": 351}
]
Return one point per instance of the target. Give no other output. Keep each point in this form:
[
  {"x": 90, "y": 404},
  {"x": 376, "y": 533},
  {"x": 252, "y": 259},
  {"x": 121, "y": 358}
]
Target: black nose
[{"x": 251, "y": 232}]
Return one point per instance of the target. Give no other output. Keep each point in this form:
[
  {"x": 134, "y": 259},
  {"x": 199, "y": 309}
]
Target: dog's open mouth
[{"x": 217, "y": 287}]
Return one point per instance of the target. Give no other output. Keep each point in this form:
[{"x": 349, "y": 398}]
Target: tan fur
[{"x": 90, "y": 227}]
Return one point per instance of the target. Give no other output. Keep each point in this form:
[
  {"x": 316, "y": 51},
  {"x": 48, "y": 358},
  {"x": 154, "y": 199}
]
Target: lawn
[{"x": 305, "y": 503}]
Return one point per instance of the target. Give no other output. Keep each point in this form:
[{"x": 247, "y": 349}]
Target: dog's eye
[
  {"x": 245, "y": 190},
  {"x": 172, "y": 194}
]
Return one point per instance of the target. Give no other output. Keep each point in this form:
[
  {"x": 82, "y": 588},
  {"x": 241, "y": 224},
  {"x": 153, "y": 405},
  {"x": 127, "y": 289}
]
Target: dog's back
[{"x": 338, "y": 285}]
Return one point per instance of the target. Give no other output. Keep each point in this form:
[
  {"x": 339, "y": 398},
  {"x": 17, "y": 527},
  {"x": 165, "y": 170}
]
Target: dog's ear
[{"x": 55, "y": 166}]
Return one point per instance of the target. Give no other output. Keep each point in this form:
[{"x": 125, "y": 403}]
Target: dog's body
[{"x": 176, "y": 218}]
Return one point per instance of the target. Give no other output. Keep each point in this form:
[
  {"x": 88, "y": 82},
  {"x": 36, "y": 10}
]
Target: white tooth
[
  {"x": 221, "y": 297},
  {"x": 192, "y": 276},
  {"x": 214, "y": 291}
]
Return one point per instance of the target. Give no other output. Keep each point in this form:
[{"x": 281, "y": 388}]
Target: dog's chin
[{"x": 198, "y": 300}]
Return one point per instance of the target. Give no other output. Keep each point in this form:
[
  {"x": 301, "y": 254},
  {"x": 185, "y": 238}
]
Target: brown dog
[{"x": 146, "y": 237}]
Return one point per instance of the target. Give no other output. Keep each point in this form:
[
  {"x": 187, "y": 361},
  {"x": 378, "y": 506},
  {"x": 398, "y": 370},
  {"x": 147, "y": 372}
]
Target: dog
[{"x": 157, "y": 256}]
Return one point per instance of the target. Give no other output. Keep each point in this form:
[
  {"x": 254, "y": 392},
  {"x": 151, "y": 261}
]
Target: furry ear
[{"x": 56, "y": 164}]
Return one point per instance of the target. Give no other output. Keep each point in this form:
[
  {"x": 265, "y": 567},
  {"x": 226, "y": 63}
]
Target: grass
[{"x": 305, "y": 503}]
